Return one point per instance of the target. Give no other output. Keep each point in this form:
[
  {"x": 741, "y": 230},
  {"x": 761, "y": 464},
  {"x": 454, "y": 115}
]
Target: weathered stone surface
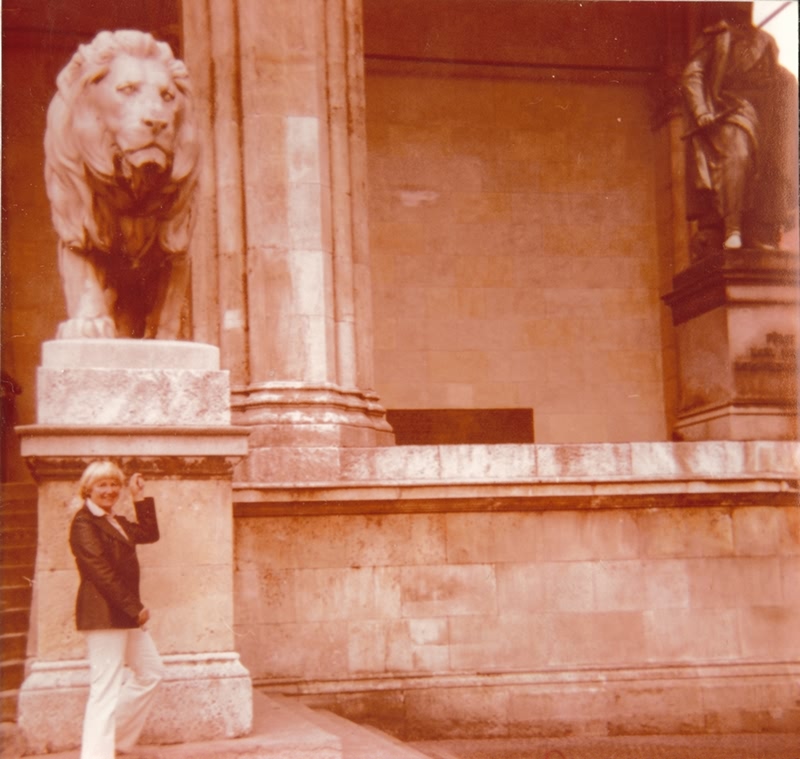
[
  {"x": 201, "y": 698},
  {"x": 129, "y": 397},
  {"x": 598, "y": 464},
  {"x": 737, "y": 333},
  {"x": 562, "y": 598},
  {"x": 129, "y": 354},
  {"x": 196, "y": 451},
  {"x": 131, "y": 383}
]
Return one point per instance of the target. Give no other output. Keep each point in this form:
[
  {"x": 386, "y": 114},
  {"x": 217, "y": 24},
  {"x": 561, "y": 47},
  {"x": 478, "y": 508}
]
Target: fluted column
[{"x": 289, "y": 147}]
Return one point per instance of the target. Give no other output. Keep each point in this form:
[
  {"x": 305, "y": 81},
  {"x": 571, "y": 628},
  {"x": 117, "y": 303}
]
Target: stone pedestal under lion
[{"x": 132, "y": 401}]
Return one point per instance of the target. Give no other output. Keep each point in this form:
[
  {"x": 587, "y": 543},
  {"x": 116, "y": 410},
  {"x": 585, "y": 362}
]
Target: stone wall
[
  {"x": 506, "y": 590},
  {"x": 514, "y": 213}
]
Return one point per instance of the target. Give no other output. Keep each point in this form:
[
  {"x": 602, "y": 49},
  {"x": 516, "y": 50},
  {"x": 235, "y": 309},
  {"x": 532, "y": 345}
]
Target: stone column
[
  {"x": 289, "y": 162},
  {"x": 160, "y": 408},
  {"x": 737, "y": 324},
  {"x": 673, "y": 233}
]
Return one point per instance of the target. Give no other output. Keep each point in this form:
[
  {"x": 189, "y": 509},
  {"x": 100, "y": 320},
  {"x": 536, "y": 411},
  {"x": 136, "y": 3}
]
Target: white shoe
[{"x": 733, "y": 242}]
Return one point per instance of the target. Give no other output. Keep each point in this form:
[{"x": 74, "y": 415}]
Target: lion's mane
[{"x": 78, "y": 148}]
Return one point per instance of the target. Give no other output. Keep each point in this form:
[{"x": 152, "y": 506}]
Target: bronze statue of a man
[{"x": 742, "y": 139}]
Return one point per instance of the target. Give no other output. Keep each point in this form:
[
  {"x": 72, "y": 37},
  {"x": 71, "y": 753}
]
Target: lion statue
[{"x": 121, "y": 163}]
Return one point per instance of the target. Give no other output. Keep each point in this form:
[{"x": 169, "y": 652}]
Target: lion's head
[{"x": 121, "y": 144}]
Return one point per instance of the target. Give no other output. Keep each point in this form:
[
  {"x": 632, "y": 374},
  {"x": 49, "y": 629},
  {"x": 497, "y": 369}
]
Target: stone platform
[
  {"x": 286, "y": 729},
  {"x": 282, "y": 729}
]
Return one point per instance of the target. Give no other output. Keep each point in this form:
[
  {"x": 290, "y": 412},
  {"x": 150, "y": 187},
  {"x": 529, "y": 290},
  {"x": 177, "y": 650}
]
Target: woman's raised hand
[{"x": 136, "y": 485}]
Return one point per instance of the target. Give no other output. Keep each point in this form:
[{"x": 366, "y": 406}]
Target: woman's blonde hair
[{"x": 99, "y": 470}]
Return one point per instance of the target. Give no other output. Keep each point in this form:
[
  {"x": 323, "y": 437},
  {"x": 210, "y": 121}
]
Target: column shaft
[{"x": 289, "y": 145}]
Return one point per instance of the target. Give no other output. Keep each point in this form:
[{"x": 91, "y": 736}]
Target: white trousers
[{"x": 118, "y": 706}]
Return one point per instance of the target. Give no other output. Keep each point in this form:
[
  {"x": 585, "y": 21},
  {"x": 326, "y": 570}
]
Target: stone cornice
[
  {"x": 42, "y": 441},
  {"x": 603, "y": 676},
  {"x": 446, "y": 499},
  {"x": 743, "y": 276}
]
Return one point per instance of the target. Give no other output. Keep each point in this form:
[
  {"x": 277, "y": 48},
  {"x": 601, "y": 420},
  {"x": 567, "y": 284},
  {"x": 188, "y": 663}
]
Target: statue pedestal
[
  {"x": 736, "y": 322},
  {"x": 160, "y": 408}
]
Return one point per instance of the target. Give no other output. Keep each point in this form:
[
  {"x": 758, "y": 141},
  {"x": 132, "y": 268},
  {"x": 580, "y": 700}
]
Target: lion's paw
[{"x": 76, "y": 329}]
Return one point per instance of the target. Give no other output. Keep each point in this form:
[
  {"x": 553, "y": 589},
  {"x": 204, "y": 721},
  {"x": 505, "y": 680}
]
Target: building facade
[{"x": 507, "y": 472}]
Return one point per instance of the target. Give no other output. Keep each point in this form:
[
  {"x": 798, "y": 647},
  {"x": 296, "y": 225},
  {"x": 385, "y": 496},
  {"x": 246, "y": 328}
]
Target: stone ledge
[
  {"x": 86, "y": 440},
  {"x": 745, "y": 276},
  {"x": 412, "y": 479},
  {"x": 129, "y": 354},
  {"x": 702, "y": 698},
  {"x": 444, "y": 499},
  {"x": 594, "y": 464},
  {"x": 658, "y": 672}
]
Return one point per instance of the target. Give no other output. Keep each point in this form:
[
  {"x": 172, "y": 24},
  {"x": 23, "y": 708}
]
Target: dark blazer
[{"x": 108, "y": 596}]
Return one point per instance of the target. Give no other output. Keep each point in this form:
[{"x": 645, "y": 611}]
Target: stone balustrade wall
[{"x": 591, "y": 597}]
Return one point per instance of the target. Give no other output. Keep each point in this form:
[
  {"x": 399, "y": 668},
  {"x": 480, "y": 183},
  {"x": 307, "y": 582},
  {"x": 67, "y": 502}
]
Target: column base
[
  {"x": 298, "y": 430},
  {"x": 203, "y": 697},
  {"x": 297, "y": 413}
]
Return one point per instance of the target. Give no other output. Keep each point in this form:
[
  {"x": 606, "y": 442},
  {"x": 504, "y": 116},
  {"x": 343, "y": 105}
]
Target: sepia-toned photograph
[{"x": 400, "y": 379}]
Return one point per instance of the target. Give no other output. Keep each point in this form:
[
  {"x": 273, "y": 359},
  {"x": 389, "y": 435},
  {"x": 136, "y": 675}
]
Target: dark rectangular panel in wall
[{"x": 461, "y": 426}]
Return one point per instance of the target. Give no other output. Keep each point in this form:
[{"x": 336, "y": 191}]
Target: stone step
[
  {"x": 14, "y": 621},
  {"x": 363, "y": 741},
  {"x": 13, "y": 645},
  {"x": 18, "y": 514},
  {"x": 23, "y": 519},
  {"x": 8, "y": 715},
  {"x": 17, "y": 574},
  {"x": 12, "y": 673},
  {"x": 16, "y": 555},
  {"x": 285, "y": 729},
  {"x": 16, "y": 506},
  {"x": 16, "y": 596},
  {"x": 18, "y": 537},
  {"x": 281, "y": 730},
  {"x": 439, "y": 750}
]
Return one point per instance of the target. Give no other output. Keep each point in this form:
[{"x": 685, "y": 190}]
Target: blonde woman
[{"x": 110, "y": 611}]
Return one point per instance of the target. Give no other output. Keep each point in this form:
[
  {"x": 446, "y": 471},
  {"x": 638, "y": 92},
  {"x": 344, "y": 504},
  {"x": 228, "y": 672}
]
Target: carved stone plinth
[
  {"x": 204, "y": 697},
  {"x": 131, "y": 383},
  {"x": 736, "y": 322},
  {"x": 160, "y": 408}
]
